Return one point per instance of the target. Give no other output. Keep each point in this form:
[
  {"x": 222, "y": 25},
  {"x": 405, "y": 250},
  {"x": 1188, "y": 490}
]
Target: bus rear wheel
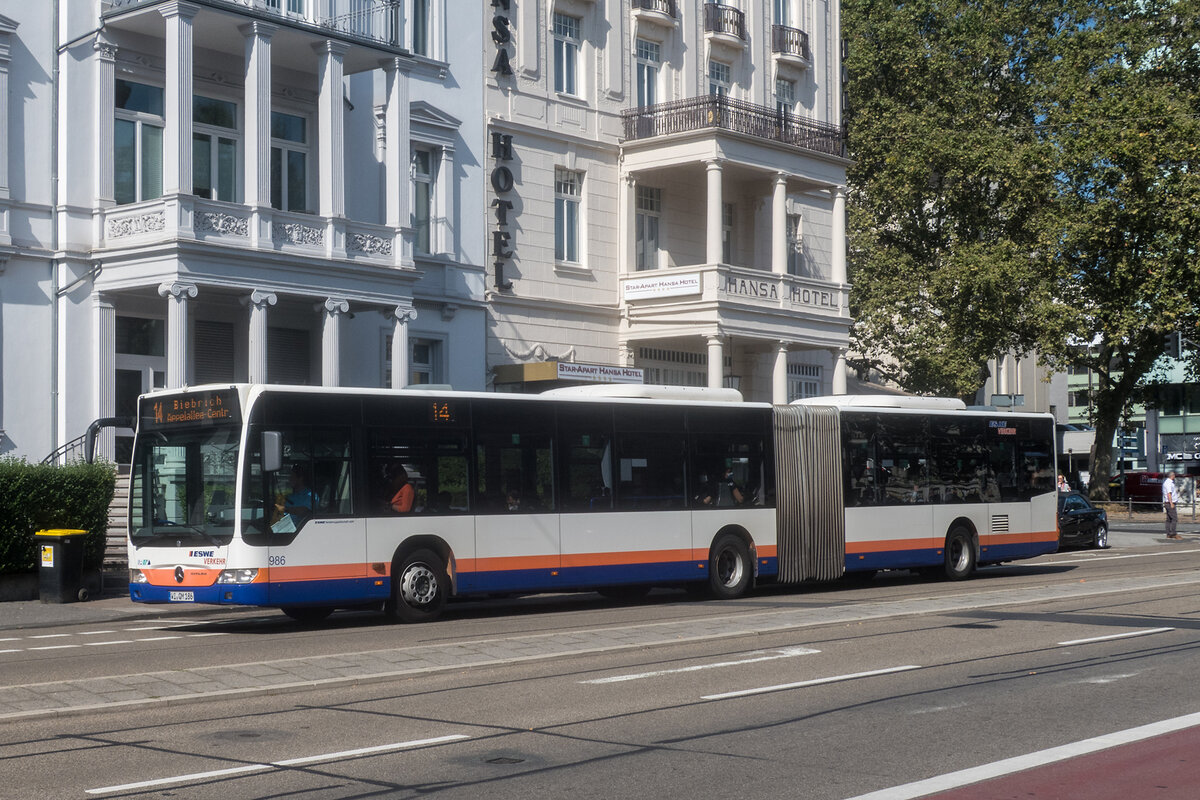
[
  {"x": 729, "y": 568},
  {"x": 419, "y": 587},
  {"x": 960, "y": 554}
]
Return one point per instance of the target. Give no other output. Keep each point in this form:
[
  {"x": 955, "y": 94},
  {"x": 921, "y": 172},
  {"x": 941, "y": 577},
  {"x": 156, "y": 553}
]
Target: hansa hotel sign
[
  {"x": 662, "y": 286},
  {"x": 598, "y": 373}
]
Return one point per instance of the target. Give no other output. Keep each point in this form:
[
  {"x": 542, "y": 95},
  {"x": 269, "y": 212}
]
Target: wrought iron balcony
[
  {"x": 664, "y": 7},
  {"x": 737, "y": 116},
  {"x": 373, "y": 21},
  {"x": 790, "y": 42},
  {"x": 724, "y": 19}
]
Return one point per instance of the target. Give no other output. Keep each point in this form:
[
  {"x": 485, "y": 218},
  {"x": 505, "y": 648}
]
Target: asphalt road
[{"x": 898, "y": 688}]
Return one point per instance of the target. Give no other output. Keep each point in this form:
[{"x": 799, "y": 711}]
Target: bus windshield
[{"x": 183, "y": 483}]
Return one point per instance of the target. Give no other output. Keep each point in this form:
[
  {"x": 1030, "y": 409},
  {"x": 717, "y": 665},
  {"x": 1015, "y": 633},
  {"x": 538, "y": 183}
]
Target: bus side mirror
[{"x": 272, "y": 451}]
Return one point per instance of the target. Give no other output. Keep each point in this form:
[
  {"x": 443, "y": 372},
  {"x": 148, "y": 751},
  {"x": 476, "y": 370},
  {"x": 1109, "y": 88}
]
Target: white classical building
[
  {"x": 666, "y": 194},
  {"x": 219, "y": 190}
]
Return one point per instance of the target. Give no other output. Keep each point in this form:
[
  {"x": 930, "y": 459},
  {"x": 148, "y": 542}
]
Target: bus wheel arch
[
  {"x": 961, "y": 551},
  {"x": 421, "y": 579},
  {"x": 730, "y": 563}
]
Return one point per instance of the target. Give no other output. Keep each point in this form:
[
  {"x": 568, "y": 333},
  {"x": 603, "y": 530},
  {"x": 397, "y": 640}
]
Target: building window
[
  {"x": 782, "y": 14},
  {"x": 727, "y": 233},
  {"x": 214, "y": 149},
  {"x": 795, "y": 244},
  {"x": 719, "y": 79},
  {"x": 804, "y": 380},
  {"x": 420, "y": 27},
  {"x": 649, "y": 208},
  {"x": 289, "y": 162},
  {"x": 648, "y": 63},
  {"x": 785, "y": 98},
  {"x": 425, "y": 361},
  {"x": 566, "y": 53},
  {"x": 422, "y": 198},
  {"x": 568, "y": 189},
  {"x": 137, "y": 142}
]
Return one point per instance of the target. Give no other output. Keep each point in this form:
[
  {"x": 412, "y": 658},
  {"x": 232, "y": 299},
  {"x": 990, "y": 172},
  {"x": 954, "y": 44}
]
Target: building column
[
  {"x": 104, "y": 370},
  {"x": 6, "y": 34},
  {"x": 838, "y": 379},
  {"x": 177, "y": 127},
  {"x": 444, "y": 200},
  {"x": 716, "y": 204},
  {"x": 401, "y": 315},
  {"x": 106, "y": 61},
  {"x": 716, "y": 362},
  {"x": 837, "y": 234},
  {"x": 396, "y": 156},
  {"x": 331, "y": 328},
  {"x": 779, "y": 375},
  {"x": 628, "y": 212},
  {"x": 259, "y": 301},
  {"x": 779, "y": 242},
  {"x": 330, "y": 129},
  {"x": 178, "y": 295},
  {"x": 257, "y": 144}
]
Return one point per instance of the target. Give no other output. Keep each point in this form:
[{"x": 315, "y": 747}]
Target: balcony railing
[
  {"x": 790, "y": 42},
  {"x": 376, "y": 21},
  {"x": 724, "y": 19},
  {"x": 666, "y": 7},
  {"x": 724, "y": 113}
]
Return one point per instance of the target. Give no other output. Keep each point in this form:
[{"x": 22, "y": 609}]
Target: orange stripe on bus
[
  {"x": 889, "y": 545},
  {"x": 191, "y": 577},
  {"x": 316, "y": 573},
  {"x": 631, "y": 557}
]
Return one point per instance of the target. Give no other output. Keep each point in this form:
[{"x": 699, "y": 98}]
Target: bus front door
[{"x": 323, "y": 563}]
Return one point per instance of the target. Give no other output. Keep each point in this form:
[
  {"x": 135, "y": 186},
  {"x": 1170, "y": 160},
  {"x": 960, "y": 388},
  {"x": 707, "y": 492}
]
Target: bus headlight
[
  {"x": 238, "y": 576},
  {"x": 137, "y": 576}
]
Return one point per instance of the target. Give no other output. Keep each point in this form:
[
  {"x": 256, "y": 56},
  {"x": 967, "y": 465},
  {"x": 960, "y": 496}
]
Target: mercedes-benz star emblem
[{"x": 179, "y": 574}]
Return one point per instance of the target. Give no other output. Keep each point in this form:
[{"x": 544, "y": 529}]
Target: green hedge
[{"x": 36, "y": 497}]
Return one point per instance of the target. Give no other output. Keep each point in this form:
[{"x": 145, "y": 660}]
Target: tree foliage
[{"x": 1024, "y": 181}]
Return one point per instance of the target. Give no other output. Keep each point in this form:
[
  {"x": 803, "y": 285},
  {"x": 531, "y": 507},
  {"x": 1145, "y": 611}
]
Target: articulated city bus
[{"x": 311, "y": 499}]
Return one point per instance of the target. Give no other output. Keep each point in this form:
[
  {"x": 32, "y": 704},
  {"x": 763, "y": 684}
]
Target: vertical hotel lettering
[{"x": 502, "y": 152}]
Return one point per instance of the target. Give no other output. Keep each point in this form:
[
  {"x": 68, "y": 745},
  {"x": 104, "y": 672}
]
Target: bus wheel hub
[{"x": 419, "y": 585}]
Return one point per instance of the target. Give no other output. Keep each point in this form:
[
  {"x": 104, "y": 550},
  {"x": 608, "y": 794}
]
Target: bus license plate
[{"x": 183, "y": 597}]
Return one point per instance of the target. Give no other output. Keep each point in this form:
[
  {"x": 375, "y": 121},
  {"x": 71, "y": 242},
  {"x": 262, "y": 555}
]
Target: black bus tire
[
  {"x": 729, "y": 567},
  {"x": 960, "y": 554},
  {"x": 419, "y": 587}
]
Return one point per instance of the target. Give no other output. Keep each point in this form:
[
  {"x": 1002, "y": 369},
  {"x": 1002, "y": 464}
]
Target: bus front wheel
[
  {"x": 960, "y": 554},
  {"x": 729, "y": 568},
  {"x": 419, "y": 587}
]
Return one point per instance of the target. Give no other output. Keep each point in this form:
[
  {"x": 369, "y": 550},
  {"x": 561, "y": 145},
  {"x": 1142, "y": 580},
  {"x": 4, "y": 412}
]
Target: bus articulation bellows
[{"x": 296, "y": 498}]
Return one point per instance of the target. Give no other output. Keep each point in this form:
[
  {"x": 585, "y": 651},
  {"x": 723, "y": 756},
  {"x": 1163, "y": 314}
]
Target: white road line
[
  {"x": 11, "y": 639},
  {"x": 1128, "y": 635},
  {"x": 94, "y": 633},
  {"x": 815, "y": 682},
  {"x": 790, "y": 652},
  {"x": 101, "y": 644},
  {"x": 50, "y": 636},
  {"x": 997, "y": 769},
  {"x": 56, "y": 647},
  {"x": 195, "y": 635},
  {"x": 158, "y": 638},
  {"x": 12, "y": 651},
  {"x": 217, "y": 773},
  {"x": 1087, "y": 560}
]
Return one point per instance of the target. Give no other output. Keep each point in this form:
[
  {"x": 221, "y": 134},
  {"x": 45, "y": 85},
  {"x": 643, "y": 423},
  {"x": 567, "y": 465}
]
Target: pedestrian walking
[{"x": 1170, "y": 498}]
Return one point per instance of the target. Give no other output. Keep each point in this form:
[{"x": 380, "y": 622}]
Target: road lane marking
[
  {"x": 275, "y": 765},
  {"x": 50, "y": 636},
  {"x": 1111, "y": 637},
  {"x": 12, "y": 651},
  {"x": 158, "y": 638},
  {"x": 1008, "y": 766},
  {"x": 815, "y": 682},
  {"x": 790, "y": 652},
  {"x": 94, "y": 633},
  {"x": 56, "y": 647},
  {"x": 101, "y": 644},
  {"x": 1087, "y": 560}
]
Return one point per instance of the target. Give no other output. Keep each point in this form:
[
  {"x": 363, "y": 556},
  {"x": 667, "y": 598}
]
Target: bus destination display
[{"x": 199, "y": 408}]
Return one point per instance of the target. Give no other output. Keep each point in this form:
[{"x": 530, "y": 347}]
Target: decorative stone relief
[
  {"x": 153, "y": 222},
  {"x": 218, "y": 222},
  {"x": 297, "y": 233},
  {"x": 369, "y": 244}
]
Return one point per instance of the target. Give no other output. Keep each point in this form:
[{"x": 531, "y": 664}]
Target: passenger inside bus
[
  {"x": 403, "y": 493},
  {"x": 297, "y": 506}
]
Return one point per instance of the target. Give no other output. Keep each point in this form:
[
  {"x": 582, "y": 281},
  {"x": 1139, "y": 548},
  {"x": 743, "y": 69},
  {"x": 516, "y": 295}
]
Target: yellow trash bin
[{"x": 60, "y": 565}]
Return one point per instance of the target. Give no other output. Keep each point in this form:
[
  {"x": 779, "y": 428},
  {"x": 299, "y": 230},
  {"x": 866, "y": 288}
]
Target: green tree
[{"x": 1024, "y": 182}]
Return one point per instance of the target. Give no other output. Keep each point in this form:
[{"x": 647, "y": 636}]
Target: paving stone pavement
[{"x": 292, "y": 674}]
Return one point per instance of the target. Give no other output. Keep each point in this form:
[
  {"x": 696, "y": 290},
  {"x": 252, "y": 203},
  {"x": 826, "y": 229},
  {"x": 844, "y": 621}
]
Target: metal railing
[
  {"x": 661, "y": 6},
  {"x": 790, "y": 41},
  {"x": 376, "y": 21},
  {"x": 738, "y": 116},
  {"x": 724, "y": 19}
]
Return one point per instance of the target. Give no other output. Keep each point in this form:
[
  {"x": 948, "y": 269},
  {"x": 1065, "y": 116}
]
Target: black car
[{"x": 1080, "y": 522}]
